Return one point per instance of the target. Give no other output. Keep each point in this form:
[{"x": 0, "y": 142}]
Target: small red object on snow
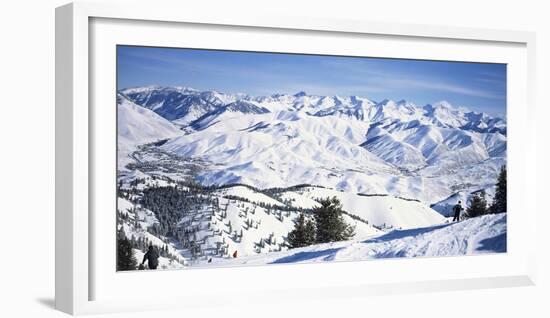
[{"x": 235, "y": 254}]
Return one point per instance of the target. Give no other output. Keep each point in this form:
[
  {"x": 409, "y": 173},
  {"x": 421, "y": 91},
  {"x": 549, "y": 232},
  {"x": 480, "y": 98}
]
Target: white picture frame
[{"x": 78, "y": 170}]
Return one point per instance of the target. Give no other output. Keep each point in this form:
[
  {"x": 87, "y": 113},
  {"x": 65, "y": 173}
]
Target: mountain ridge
[
  {"x": 174, "y": 103},
  {"x": 347, "y": 143}
]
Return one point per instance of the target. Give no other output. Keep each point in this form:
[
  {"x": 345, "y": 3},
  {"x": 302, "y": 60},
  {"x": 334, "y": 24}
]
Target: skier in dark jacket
[
  {"x": 152, "y": 258},
  {"x": 457, "y": 209}
]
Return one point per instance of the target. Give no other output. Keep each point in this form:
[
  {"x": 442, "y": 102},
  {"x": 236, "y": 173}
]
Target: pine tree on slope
[
  {"x": 478, "y": 205},
  {"x": 330, "y": 223},
  {"x": 125, "y": 253},
  {"x": 499, "y": 201},
  {"x": 303, "y": 233}
]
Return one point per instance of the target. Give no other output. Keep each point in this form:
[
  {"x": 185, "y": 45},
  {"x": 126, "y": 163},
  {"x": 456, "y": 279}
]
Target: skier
[
  {"x": 152, "y": 258},
  {"x": 457, "y": 209}
]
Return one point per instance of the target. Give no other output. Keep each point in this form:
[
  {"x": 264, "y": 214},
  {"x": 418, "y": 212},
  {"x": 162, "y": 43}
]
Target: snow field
[{"x": 485, "y": 234}]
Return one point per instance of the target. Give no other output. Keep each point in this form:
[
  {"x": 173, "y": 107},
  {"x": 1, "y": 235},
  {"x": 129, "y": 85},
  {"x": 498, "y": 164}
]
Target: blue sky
[{"x": 477, "y": 86}]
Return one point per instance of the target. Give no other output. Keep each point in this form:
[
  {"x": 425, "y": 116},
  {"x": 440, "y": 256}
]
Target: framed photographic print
[{"x": 243, "y": 154}]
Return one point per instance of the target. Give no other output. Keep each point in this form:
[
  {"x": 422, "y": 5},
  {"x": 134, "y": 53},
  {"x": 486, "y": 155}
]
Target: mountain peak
[
  {"x": 300, "y": 94},
  {"x": 443, "y": 104},
  {"x": 384, "y": 102}
]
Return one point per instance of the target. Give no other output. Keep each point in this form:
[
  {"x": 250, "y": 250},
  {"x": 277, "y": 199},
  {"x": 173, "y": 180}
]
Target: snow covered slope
[
  {"x": 281, "y": 149},
  {"x": 221, "y": 222},
  {"x": 384, "y": 212},
  {"x": 485, "y": 234},
  {"x": 242, "y": 219},
  {"x": 245, "y": 227},
  {"x": 135, "y": 224},
  {"x": 136, "y": 126}
]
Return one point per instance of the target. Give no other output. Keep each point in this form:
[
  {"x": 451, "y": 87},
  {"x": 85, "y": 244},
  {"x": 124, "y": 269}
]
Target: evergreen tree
[
  {"x": 303, "y": 233},
  {"x": 329, "y": 221},
  {"x": 478, "y": 205},
  {"x": 499, "y": 201},
  {"x": 125, "y": 253}
]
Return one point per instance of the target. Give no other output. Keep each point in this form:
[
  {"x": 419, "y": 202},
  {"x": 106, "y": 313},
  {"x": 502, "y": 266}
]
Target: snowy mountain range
[
  {"x": 350, "y": 143},
  {"x": 184, "y": 105}
]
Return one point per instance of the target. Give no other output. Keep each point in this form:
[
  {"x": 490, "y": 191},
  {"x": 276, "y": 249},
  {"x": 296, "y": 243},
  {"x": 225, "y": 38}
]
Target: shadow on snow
[
  {"x": 305, "y": 256},
  {"x": 399, "y": 234},
  {"x": 496, "y": 244}
]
